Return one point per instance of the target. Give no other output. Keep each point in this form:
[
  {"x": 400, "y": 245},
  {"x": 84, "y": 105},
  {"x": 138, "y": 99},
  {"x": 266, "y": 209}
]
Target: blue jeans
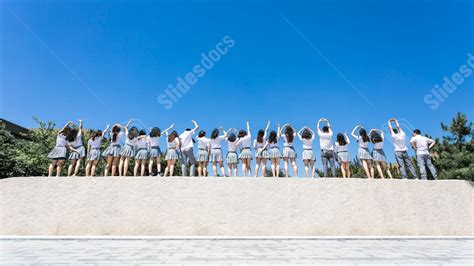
[
  {"x": 424, "y": 161},
  {"x": 328, "y": 157},
  {"x": 404, "y": 160}
]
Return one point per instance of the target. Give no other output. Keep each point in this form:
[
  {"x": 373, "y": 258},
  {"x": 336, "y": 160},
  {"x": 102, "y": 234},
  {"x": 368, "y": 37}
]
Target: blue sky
[{"x": 292, "y": 61}]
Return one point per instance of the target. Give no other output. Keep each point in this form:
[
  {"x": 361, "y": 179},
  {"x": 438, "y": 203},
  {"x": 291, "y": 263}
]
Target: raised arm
[
  {"x": 300, "y": 131},
  {"x": 168, "y": 129},
  {"x": 79, "y": 133},
  {"x": 390, "y": 125},
  {"x": 278, "y": 131},
  {"x": 223, "y": 131},
  {"x": 312, "y": 132},
  {"x": 105, "y": 131},
  {"x": 354, "y": 130},
  {"x": 347, "y": 138},
  {"x": 398, "y": 126},
  {"x": 65, "y": 126},
  {"x": 196, "y": 126},
  {"x": 266, "y": 129}
]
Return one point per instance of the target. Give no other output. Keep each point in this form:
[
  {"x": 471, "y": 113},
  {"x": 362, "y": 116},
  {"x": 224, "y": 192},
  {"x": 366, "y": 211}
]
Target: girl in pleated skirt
[
  {"x": 377, "y": 139},
  {"x": 364, "y": 155},
  {"x": 203, "y": 153},
  {"x": 261, "y": 155},
  {"x": 78, "y": 152},
  {"x": 289, "y": 153},
  {"x": 306, "y": 135},
  {"x": 93, "y": 151},
  {"x": 58, "y": 154},
  {"x": 341, "y": 148}
]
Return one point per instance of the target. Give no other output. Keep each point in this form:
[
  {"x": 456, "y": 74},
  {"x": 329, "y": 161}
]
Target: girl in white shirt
[
  {"x": 232, "y": 158},
  {"x": 245, "y": 141},
  {"x": 203, "y": 153},
  {"x": 364, "y": 155},
  {"x": 141, "y": 154},
  {"x": 377, "y": 138},
  {"x": 216, "y": 156},
  {"x": 274, "y": 151},
  {"x": 78, "y": 152},
  {"x": 154, "y": 151},
  {"x": 112, "y": 153},
  {"x": 59, "y": 152},
  {"x": 128, "y": 150},
  {"x": 341, "y": 148},
  {"x": 93, "y": 151},
  {"x": 306, "y": 135},
  {"x": 289, "y": 153},
  {"x": 172, "y": 154},
  {"x": 261, "y": 155}
]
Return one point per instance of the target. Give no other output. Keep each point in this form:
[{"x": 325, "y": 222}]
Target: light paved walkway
[{"x": 258, "y": 252}]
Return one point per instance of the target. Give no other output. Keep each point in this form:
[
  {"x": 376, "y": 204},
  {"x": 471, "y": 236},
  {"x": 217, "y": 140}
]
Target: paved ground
[{"x": 230, "y": 252}]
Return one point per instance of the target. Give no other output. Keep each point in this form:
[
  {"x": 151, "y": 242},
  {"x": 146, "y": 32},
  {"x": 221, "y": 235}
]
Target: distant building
[{"x": 16, "y": 130}]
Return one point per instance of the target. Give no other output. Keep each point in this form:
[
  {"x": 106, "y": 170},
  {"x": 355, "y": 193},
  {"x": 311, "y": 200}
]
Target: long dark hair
[
  {"x": 232, "y": 137},
  {"x": 306, "y": 134},
  {"x": 341, "y": 139},
  {"x": 289, "y": 134},
  {"x": 260, "y": 135},
  {"x": 155, "y": 132},
  {"x": 96, "y": 134},
  {"x": 132, "y": 133},
  {"x": 363, "y": 134},
  {"x": 242, "y": 133},
  {"x": 215, "y": 133},
  {"x": 375, "y": 137},
  {"x": 272, "y": 138},
  {"x": 172, "y": 136},
  {"x": 72, "y": 135},
  {"x": 115, "y": 131},
  {"x": 65, "y": 131},
  {"x": 202, "y": 133}
]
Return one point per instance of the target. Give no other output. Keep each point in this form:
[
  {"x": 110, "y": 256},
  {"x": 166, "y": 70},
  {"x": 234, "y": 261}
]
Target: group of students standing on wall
[{"x": 126, "y": 143}]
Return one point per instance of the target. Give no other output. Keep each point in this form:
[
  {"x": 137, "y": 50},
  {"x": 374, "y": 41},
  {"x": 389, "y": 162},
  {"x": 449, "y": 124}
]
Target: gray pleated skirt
[
  {"x": 245, "y": 153},
  {"x": 154, "y": 152},
  {"x": 58, "y": 153},
  {"x": 172, "y": 154},
  {"x": 94, "y": 154},
  {"x": 81, "y": 153},
  {"x": 364, "y": 154},
  {"x": 378, "y": 155},
  {"x": 308, "y": 155},
  {"x": 202, "y": 156},
  {"x": 142, "y": 154},
  {"x": 232, "y": 157},
  {"x": 274, "y": 153},
  {"x": 216, "y": 155},
  {"x": 112, "y": 150},
  {"x": 262, "y": 155},
  {"x": 343, "y": 157},
  {"x": 289, "y": 152},
  {"x": 128, "y": 151}
]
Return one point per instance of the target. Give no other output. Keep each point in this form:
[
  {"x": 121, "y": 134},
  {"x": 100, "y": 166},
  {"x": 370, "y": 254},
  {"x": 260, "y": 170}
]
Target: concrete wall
[{"x": 235, "y": 207}]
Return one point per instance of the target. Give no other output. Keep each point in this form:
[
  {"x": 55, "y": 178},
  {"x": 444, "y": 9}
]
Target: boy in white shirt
[
  {"x": 327, "y": 147},
  {"x": 187, "y": 152},
  {"x": 401, "y": 154},
  {"x": 422, "y": 145}
]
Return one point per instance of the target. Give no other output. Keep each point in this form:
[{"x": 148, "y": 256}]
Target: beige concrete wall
[{"x": 235, "y": 207}]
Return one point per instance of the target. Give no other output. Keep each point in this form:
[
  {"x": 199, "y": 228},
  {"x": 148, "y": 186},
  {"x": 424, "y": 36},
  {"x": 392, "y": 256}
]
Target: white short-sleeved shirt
[
  {"x": 341, "y": 148},
  {"x": 361, "y": 142},
  {"x": 285, "y": 141},
  {"x": 422, "y": 144},
  {"x": 186, "y": 139},
  {"x": 378, "y": 146},
  {"x": 119, "y": 138},
  {"x": 95, "y": 144},
  {"x": 131, "y": 142},
  {"x": 399, "y": 141},
  {"x": 246, "y": 141},
  {"x": 61, "y": 140},
  {"x": 203, "y": 143},
  {"x": 153, "y": 141},
  {"x": 258, "y": 145},
  {"x": 173, "y": 144},
  {"x": 231, "y": 146},
  {"x": 141, "y": 143},
  {"x": 216, "y": 143},
  {"x": 307, "y": 143},
  {"x": 325, "y": 140}
]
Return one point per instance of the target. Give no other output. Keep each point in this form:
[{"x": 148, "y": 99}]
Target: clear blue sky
[{"x": 56, "y": 56}]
